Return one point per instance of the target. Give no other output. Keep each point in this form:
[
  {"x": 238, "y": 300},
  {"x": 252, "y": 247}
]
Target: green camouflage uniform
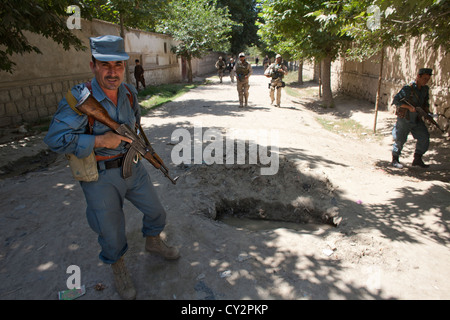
[{"x": 243, "y": 72}]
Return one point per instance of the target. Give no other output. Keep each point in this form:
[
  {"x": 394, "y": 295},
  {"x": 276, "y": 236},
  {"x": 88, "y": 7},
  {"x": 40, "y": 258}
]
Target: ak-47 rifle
[
  {"x": 422, "y": 113},
  {"x": 139, "y": 145}
]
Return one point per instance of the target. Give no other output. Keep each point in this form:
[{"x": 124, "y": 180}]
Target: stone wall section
[
  {"x": 29, "y": 103},
  {"x": 40, "y": 81}
]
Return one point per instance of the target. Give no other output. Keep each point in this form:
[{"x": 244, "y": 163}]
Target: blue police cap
[
  {"x": 108, "y": 48},
  {"x": 425, "y": 71}
]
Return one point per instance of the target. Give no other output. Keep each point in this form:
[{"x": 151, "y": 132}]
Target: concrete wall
[
  {"x": 360, "y": 79},
  {"x": 40, "y": 81}
]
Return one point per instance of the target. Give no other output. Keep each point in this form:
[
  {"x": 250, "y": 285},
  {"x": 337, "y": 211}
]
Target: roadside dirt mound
[
  {"x": 37, "y": 162},
  {"x": 240, "y": 190}
]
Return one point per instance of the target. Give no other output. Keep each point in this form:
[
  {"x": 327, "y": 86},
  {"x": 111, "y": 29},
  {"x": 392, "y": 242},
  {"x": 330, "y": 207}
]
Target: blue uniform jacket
[
  {"x": 68, "y": 130},
  {"x": 419, "y": 98}
]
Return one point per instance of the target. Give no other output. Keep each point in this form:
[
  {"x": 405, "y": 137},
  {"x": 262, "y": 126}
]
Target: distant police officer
[
  {"x": 408, "y": 120},
  {"x": 276, "y": 71},
  {"x": 243, "y": 71},
  {"x": 139, "y": 74}
]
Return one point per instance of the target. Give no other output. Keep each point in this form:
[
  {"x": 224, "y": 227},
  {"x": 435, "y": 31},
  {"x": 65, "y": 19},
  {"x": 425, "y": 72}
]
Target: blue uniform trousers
[
  {"x": 417, "y": 128},
  {"x": 104, "y": 212}
]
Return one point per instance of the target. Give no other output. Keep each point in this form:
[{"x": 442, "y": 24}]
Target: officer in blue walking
[
  {"x": 408, "y": 120},
  {"x": 69, "y": 133}
]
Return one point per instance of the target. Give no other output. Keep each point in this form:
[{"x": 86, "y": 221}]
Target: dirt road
[{"x": 392, "y": 239}]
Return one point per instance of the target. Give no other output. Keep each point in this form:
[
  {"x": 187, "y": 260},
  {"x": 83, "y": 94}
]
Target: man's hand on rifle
[{"x": 110, "y": 140}]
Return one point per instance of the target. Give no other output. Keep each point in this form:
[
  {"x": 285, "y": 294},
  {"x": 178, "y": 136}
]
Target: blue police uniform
[
  {"x": 105, "y": 197},
  {"x": 410, "y": 121},
  {"x": 72, "y": 132}
]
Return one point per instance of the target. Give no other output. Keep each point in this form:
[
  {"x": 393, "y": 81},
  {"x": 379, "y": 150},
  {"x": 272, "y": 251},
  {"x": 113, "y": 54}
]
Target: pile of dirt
[
  {"x": 23, "y": 165},
  {"x": 240, "y": 190}
]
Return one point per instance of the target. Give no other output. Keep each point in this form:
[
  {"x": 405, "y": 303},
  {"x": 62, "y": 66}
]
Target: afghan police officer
[
  {"x": 139, "y": 74},
  {"x": 276, "y": 71},
  {"x": 105, "y": 195},
  {"x": 408, "y": 120},
  {"x": 220, "y": 66},
  {"x": 243, "y": 71}
]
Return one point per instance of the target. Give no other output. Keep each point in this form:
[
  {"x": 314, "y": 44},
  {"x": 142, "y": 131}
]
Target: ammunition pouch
[
  {"x": 83, "y": 169},
  {"x": 277, "y": 85},
  {"x": 276, "y": 75},
  {"x": 241, "y": 77}
]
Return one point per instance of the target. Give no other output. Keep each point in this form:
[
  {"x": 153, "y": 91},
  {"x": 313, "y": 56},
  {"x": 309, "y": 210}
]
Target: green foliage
[
  {"x": 244, "y": 32},
  {"x": 162, "y": 94},
  {"x": 306, "y": 27},
  {"x": 347, "y": 127},
  {"x": 141, "y": 14},
  {"x": 415, "y": 18},
  {"x": 44, "y": 17},
  {"x": 291, "y": 27},
  {"x": 48, "y": 18},
  {"x": 199, "y": 26},
  {"x": 398, "y": 21}
]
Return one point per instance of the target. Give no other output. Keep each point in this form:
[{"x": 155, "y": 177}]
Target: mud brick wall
[
  {"x": 40, "y": 81},
  {"x": 29, "y": 103}
]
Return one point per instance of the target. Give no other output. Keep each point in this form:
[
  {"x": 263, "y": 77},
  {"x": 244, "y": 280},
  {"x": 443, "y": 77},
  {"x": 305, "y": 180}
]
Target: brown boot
[
  {"x": 156, "y": 245},
  {"x": 122, "y": 279}
]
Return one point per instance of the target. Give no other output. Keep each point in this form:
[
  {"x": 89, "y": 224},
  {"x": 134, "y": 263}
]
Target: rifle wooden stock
[{"x": 94, "y": 109}]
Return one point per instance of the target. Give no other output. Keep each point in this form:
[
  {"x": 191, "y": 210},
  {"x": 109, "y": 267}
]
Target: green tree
[
  {"x": 375, "y": 25},
  {"x": 43, "y": 17},
  {"x": 140, "y": 14},
  {"x": 290, "y": 27},
  {"x": 244, "y": 32},
  {"x": 199, "y": 26}
]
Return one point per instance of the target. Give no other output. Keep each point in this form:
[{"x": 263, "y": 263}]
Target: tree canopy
[
  {"x": 290, "y": 27},
  {"x": 140, "y": 14},
  {"x": 358, "y": 28},
  {"x": 44, "y": 17},
  {"x": 244, "y": 32},
  {"x": 373, "y": 25},
  {"x": 298, "y": 28},
  {"x": 199, "y": 26}
]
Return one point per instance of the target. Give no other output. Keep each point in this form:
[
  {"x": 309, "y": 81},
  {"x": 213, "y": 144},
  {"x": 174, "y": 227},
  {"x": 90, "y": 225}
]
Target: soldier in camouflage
[
  {"x": 243, "y": 71},
  {"x": 276, "y": 71},
  {"x": 220, "y": 66}
]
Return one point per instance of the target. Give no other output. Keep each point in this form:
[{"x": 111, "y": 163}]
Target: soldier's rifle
[
  {"x": 423, "y": 114},
  {"x": 139, "y": 145}
]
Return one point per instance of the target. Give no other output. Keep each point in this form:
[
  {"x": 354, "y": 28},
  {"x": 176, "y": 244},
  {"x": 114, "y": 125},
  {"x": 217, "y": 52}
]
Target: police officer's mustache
[{"x": 112, "y": 78}]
